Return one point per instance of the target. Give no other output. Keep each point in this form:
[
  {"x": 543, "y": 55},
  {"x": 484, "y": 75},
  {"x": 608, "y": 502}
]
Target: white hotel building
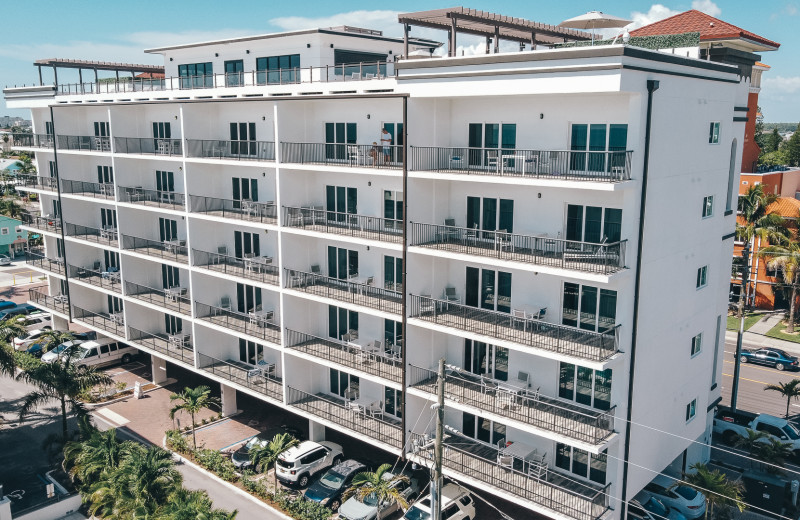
[{"x": 563, "y": 217}]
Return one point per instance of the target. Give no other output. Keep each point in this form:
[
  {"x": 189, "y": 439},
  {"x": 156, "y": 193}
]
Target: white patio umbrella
[{"x": 595, "y": 20}]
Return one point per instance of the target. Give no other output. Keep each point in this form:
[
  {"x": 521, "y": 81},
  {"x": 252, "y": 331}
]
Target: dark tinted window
[
  {"x": 91, "y": 353},
  {"x": 104, "y": 349}
]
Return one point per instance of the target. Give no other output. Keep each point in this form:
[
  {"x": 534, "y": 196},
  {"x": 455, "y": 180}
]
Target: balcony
[
  {"x": 528, "y": 249},
  {"x": 58, "y": 303},
  {"x": 174, "y": 299},
  {"x": 113, "y": 323},
  {"x": 348, "y": 155},
  {"x": 108, "y": 236},
  {"x": 345, "y": 224},
  {"x": 561, "y": 339},
  {"x": 177, "y": 346},
  {"x": 335, "y": 410},
  {"x": 32, "y": 140},
  {"x": 235, "y": 150},
  {"x": 89, "y": 143},
  {"x": 109, "y": 280},
  {"x": 149, "y": 146},
  {"x": 614, "y": 166},
  {"x": 46, "y": 223},
  {"x": 88, "y": 189},
  {"x": 263, "y": 212},
  {"x": 547, "y": 413},
  {"x": 377, "y": 364},
  {"x": 365, "y": 294},
  {"x": 249, "y": 268},
  {"x": 36, "y": 258},
  {"x": 255, "y": 324},
  {"x": 555, "y": 491},
  {"x": 152, "y": 198},
  {"x": 23, "y": 182},
  {"x": 174, "y": 250},
  {"x": 244, "y": 375}
]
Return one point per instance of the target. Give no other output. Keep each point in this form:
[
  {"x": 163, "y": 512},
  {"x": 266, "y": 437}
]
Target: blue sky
[{"x": 116, "y": 31}]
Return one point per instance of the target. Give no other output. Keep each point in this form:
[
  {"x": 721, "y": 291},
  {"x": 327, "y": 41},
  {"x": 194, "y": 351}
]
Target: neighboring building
[
  {"x": 257, "y": 213},
  {"x": 13, "y": 238}
]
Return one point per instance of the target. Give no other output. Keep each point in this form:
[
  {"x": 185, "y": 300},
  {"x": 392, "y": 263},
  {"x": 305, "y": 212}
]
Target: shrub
[
  {"x": 205, "y": 421},
  {"x": 177, "y": 442},
  {"x": 301, "y": 509},
  {"x": 213, "y": 461},
  {"x": 121, "y": 386},
  {"x": 26, "y": 361}
]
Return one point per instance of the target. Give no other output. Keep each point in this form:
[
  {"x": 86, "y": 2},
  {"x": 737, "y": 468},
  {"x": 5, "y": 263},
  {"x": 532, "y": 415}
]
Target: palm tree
[
  {"x": 267, "y": 454},
  {"x": 11, "y": 327},
  {"x": 10, "y": 208},
  {"x": 752, "y": 442},
  {"x": 53, "y": 338},
  {"x": 374, "y": 485},
  {"x": 61, "y": 381},
  {"x": 7, "y": 362},
  {"x": 192, "y": 400},
  {"x": 718, "y": 490},
  {"x": 101, "y": 452},
  {"x": 192, "y": 505},
  {"x": 786, "y": 258},
  {"x": 774, "y": 453},
  {"x": 790, "y": 390}
]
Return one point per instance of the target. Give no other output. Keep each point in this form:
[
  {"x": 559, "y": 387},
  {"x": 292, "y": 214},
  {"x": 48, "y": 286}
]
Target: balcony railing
[
  {"x": 113, "y": 324},
  {"x": 32, "y": 140},
  {"x": 538, "y": 250},
  {"x": 569, "y": 341},
  {"x": 38, "y": 259},
  {"x": 600, "y": 166},
  {"x": 333, "y": 154},
  {"x": 264, "y": 212},
  {"x": 109, "y": 280},
  {"x": 248, "y": 268},
  {"x": 530, "y": 407},
  {"x": 364, "y": 293},
  {"x": 175, "y": 299},
  {"x": 347, "y": 224},
  {"x": 46, "y": 223},
  {"x": 108, "y": 236},
  {"x": 251, "y": 377},
  {"x": 84, "y": 142},
  {"x": 177, "y": 346},
  {"x": 238, "y": 150},
  {"x": 22, "y": 182},
  {"x": 58, "y": 303},
  {"x": 90, "y": 189},
  {"x": 555, "y": 491},
  {"x": 335, "y": 411},
  {"x": 148, "y": 145},
  {"x": 174, "y": 250},
  {"x": 376, "y": 364},
  {"x": 251, "y": 323},
  {"x": 156, "y": 198}
]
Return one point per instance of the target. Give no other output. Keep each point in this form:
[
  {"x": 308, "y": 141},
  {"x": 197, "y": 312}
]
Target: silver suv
[
  {"x": 457, "y": 504},
  {"x": 298, "y": 464}
]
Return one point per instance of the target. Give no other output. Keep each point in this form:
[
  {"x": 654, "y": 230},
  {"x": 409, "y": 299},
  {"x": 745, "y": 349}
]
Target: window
[
  {"x": 486, "y": 139},
  {"x": 4, "y": 231},
  {"x": 393, "y": 401},
  {"x": 105, "y": 174},
  {"x": 165, "y": 184},
  {"x": 708, "y": 206},
  {"x": 716, "y": 351},
  {"x": 476, "y": 427},
  {"x": 278, "y": 69},
  {"x": 393, "y": 273},
  {"x": 167, "y": 229},
  {"x": 484, "y": 359},
  {"x": 606, "y": 144},
  {"x": 234, "y": 73},
  {"x": 393, "y": 208},
  {"x": 488, "y": 289},
  {"x": 713, "y": 133},
  {"x": 196, "y": 75},
  {"x": 104, "y": 349},
  {"x": 585, "y": 386},
  {"x": 582, "y": 463},
  {"x": 691, "y": 410},
  {"x": 341, "y": 382},
  {"x": 243, "y": 189},
  {"x": 593, "y": 224},
  {"x": 52, "y": 167},
  {"x": 490, "y": 215},
  {"x": 245, "y": 244},
  {"x": 337, "y": 137},
  {"x": 18, "y": 229},
  {"x": 248, "y": 298},
  {"x": 340, "y": 201},
  {"x": 702, "y": 277},
  {"x": 697, "y": 344},
  {"x": 359, "y": 62},
  {"x": 731, "y": 176},
  {"x": 114, "y": 304},
  {"x": 243, "y": 138},
  {"x": 393, "y": 334},
  {"x": 341, "y": 321},
  {"x": 250, "y": 352},
  {"x": 108, "y": 218},
  {"x": 342, "y": 263},
  {"x": 588, "y": 307}
]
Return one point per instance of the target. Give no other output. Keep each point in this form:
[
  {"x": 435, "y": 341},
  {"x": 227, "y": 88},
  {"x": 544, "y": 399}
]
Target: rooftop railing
[
  {"x": 315, "y": 218},
  {"x": 58, "y": 303},
  {"x": 251, "y": 323},
  {"x": 226, "y": 149},
  {"x": 341, "y": 154},
  {"x": 359, "y": 293},
  {"x": 236, "y": 372},
  {"x": 248, "y": 268},
  {"x": 177, "y": 346},
  {"x": 149, "y": 146},
  {"x": 113, "y": 324},
  {"x": 235, "y": 209},
  {"x": 175, "y": 299},
  {"x": 103, "y": 190},
  {"x": 157, "y": 198},
  {"x": 84, "y": 142}
]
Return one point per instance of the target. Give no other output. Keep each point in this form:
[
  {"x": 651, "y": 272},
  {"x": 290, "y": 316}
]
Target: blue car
[{"x": 771, "y": 357}]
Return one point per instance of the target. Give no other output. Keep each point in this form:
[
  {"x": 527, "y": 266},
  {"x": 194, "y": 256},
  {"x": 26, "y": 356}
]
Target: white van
[{"x": 103, "y": 352}]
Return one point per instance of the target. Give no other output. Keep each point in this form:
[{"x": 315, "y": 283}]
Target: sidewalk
[{"x": 753, "y": 339}]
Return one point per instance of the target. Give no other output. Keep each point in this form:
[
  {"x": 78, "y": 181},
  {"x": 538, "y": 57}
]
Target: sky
[{"x": 120, "y": 31}]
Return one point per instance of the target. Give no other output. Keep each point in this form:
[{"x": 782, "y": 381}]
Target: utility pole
[
  {"x": 742, "y": 299},
  {"x": 438, "y": 449}
]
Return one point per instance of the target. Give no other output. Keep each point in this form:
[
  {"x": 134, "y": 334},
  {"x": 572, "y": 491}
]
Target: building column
[
  {"x": 5, "y": 507},
  {"x": 228, "y": 400},
  {"x": 316, "y": 431},
  {"x": 158, "y": 367},
  {"x": 60, "y": 323}
]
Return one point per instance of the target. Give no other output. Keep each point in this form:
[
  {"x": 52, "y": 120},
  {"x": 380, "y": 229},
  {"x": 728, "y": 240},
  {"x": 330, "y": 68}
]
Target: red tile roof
[
  {"x": 786, "y": 207},
  {"x": 710, "y": 28},
  {"x": 150, "y": 75}
]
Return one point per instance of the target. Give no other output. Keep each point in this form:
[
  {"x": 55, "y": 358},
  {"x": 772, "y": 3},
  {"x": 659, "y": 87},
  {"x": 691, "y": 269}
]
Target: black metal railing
[
  {"x": 175, "y": 250},
  {"x": 570, "y": 341},
  {"x": 602, "y": 166},
  {"x": 547, "y": 413},
  {"x": 328, "y": 409},
  {"x": 103, "y": 236},
  {"x": 92, "y": 189},
  {"x": 158, "y": 198},
  {"x": 58, "y": 303},
  {"x": 235, "y": 209},
  {"x": 106, "y": 279},
  {"x": 111, "y": 324},
  {"x": 240, "y": 267},
  {"x": 32, "y": 140},
  {"x": 347, "y": 224},
  {"x": 376, "y": 364},
  {"x": 225, "y": 149},
  {"x": 175, "y": 299},
  {"x": 36, "y": 182},
  {"x": 161, "y": 342},
  {"x": 588, "y": 257},
  {"x": 246, "y": 323},
  {"x": 365, "y": 294},
  {"x": 47, "y": 223},
  {"x": 269, "y": 385},
  {"x": 37, "y": 258},
  {"x": 148, "y": 145},
  {"x": 363, "y": 155},
  {"x": 92, "y": 143}
]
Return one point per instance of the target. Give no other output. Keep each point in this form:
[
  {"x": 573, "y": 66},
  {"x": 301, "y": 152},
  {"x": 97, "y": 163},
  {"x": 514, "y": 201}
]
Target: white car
[
  {"x": 5, "y": 260},
  {"x": 457, "y": 504},
  {"x": 26, "y": 341},
  {"x": 299, "y": 463},
  {"x": 687, "y": 501},
  {"x": 36, "y": 320},
  {"x": 60, "y": 350}
]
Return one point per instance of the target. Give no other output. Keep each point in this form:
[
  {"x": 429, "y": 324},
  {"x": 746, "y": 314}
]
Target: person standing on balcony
[{"x": 386, "y": 142}]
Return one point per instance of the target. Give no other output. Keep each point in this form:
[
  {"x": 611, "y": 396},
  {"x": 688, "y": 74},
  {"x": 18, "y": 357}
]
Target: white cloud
[
  {"x": 382, "y": 20},
  {"x": 708, "y": 7},
  {"x": 656, "y": 13},
  {"x": 780, "y": 84}
]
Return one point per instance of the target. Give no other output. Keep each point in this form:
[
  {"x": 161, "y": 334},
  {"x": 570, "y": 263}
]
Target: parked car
[
  {"x": 457, "y": 504},
  {"x": 19, "y": 310},
  {"x": 329, "y": 488},
  {"x": 5, "y": 260},
  {"x": 36, "y": 347},
  {"x": 36, "y": 320},
  {"x": 688, "y": 501},
  {"x": 98, "y": 353},
  {"x": 651, "y": 508},
  {"x": 7, "y": 304},
  {"x": 355, "y": 509},
  {"x": 298, "y": 464},
  {"x": 241, "y": 457},
  {"x": 771, "y": 357},
  {"x": 732, "y": 425},
  {"x": 59, "y": 351}
]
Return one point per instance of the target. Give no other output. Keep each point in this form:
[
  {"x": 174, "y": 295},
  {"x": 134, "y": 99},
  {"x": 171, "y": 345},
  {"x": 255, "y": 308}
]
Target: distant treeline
[{"x": 782, "y": 127}]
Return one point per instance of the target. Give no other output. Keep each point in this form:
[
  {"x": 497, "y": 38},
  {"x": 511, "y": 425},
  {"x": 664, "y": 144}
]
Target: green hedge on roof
[{"x": 664, "y": 41}]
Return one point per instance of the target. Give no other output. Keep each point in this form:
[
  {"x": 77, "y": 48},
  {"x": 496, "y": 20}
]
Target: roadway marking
[
  {"x": 754, "y": 367},
  {"x": 113, "y": 416},
  {"x": 745, "y": 379}
]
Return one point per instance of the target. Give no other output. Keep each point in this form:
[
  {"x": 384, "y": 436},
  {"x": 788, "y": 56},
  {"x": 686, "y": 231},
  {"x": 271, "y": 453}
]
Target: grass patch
[
  {"x": 779, "y": 332},
  {"x": 750, "y": 319}
]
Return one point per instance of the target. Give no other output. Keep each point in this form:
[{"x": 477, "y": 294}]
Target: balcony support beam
[
  {"x": 158, "y": 367},
  {"x": 316, "y": 431},
  {"x": 228, "y": 400}
]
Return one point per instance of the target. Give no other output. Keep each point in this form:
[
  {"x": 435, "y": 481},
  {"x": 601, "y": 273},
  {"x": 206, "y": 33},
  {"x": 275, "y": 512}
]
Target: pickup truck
[{"x": 731, "y": 425}]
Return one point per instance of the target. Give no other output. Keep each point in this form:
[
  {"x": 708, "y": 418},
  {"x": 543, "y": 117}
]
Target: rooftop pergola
[
  {"x": 81, "y": 65},
  {"x": 493, "y": 26}
]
